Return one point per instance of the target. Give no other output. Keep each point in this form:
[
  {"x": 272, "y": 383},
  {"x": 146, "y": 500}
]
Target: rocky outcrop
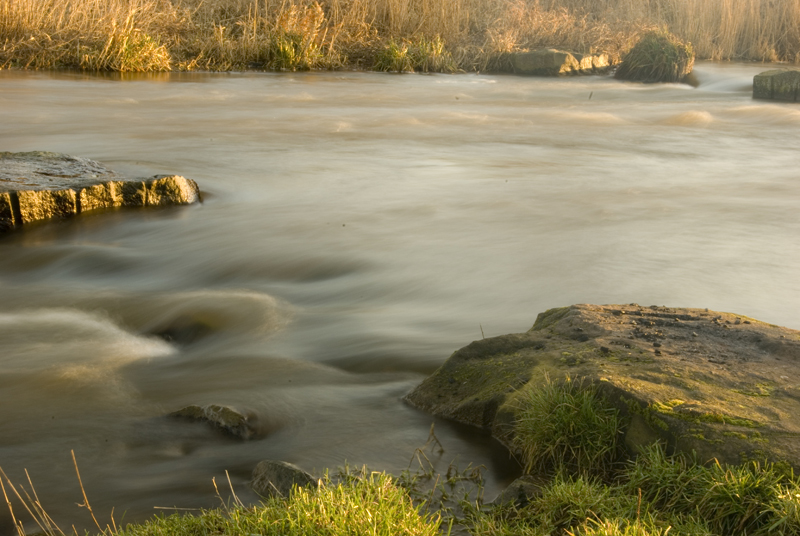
[
  {"x": 723, "y": 385},
  {"x": 225, "y": 418},
  {"x": 777, "y": 84},
  {"x": 552, "y": 62},
  {"x": 272, "y": 479},
  {"x": 37, "y": 186}
]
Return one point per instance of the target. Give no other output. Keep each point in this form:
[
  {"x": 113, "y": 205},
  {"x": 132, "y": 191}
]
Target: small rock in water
[
  {"x": 777, "y": 84},
  {"x": 272, "y": 478},
  {"x": 225, "y": 418}
]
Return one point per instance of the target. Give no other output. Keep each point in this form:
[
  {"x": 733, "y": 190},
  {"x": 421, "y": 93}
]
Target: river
[{"x": 356, "y": 229}]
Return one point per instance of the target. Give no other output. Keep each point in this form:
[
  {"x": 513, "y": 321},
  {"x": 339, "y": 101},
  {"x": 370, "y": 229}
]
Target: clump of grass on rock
[
  {"x": 567, "y": 425},
  {"x": 659, "y": 56}
]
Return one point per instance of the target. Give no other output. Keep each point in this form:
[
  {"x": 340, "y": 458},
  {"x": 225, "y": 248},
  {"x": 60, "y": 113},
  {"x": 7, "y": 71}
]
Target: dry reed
[{"x": 147, "y": 35}]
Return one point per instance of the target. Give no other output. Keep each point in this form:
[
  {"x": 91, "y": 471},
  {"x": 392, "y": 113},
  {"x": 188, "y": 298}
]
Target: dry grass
[{"x": 145, "y": 35}]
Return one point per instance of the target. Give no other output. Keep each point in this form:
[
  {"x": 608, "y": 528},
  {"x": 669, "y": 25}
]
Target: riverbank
[{"x": 438, "y": 35}]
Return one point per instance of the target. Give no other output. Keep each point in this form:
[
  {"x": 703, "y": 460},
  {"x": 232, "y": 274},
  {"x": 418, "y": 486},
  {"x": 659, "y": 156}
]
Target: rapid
[{"x": 355, "y": 230}]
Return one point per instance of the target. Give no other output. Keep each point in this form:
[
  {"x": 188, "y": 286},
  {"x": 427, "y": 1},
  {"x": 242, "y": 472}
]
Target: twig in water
[
  {"x": 235, "y": 498},
  {"x": 432, "y": 437},
  {"x": 19, "y": 528},
  {"x": 40, "y": 509},
  {"x": 39, "y": 519},
  {"x": 85, "y": 498}
]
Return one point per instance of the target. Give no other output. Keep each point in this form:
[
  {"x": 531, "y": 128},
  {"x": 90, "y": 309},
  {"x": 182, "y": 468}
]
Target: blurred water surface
[{"x": 356, "y": 229}]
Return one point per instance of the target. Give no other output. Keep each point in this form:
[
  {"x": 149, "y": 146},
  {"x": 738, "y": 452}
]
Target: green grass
[
  {"x": 420, "y": 55},
  {"x": 566, "y": 425},
  {"x": 367, "y": 505},
  {"x": 653, "y": 494}
]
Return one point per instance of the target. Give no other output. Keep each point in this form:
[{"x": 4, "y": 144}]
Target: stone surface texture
[
  {"x": 272, "y": 478},
  {"x": 37, "y": 186},
  {"x": 777, "y": 84},
  {"x": 225, "y": 418},
  {"x": 724, "y": 385},
  {"x": 552, "y": 62}
]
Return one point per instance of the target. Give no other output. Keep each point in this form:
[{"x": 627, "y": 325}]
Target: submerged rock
[
  {"x": 278, "y": 478},
  {"x": 225, "y": 418},
  {"x": 39, "y": 185},
  {"x": 552, "y": 62},
  {"x": 777, "y": 84},
  {"x": 723, "y": 385}
]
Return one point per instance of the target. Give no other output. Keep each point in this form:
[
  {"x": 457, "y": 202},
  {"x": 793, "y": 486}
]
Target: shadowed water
[{"x": 356, "y": 229}]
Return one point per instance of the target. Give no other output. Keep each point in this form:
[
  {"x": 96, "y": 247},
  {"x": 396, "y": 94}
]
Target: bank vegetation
[
  {"x": 583, "y": 484},
  {"x": 434, "y": 35}
]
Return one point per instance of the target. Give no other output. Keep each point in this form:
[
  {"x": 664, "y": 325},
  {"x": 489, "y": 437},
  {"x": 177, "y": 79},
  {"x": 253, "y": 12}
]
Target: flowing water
[{"x": 356, "y": 229}]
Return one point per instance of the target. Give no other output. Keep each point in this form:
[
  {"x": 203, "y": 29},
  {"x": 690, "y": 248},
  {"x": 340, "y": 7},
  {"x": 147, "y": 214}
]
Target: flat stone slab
[
  {"x": 552, "y": 62},
  {"x": 777, "y": 84},
  {"x": 724, "y": 385},
  {"x": 39, "y": 185}
]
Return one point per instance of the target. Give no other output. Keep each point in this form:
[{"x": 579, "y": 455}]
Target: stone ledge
[{"x": 37, "y": 186}]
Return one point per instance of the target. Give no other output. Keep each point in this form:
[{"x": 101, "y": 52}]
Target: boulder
[
  {"x": 552, "y": 62},
  {"x": 777, "y": 84},
  {"x": 37, "y": 186},
  {"x": 271, "y": 479},
  {"x": 225, "y": 418},
  {"x": 725, "y": 386}
]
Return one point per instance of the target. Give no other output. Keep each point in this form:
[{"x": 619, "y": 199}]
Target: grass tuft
[
  {"x": 658, "y": 56},
  {"x": 422, "y": 55},
  {"x": 369, "y": 504},
  {"x": 567, "y": 425}
]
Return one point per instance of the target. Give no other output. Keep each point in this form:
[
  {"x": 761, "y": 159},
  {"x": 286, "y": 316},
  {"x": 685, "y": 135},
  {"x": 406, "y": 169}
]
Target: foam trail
[{"x": 38, "y": 339}]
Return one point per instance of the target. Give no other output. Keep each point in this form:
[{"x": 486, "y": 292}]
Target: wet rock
[
  {"x": 552, "y": 62},
  {"x": 225, "y": 418},
  {"x": 725, "y": 390},
  {"x": 37, "y": 186},
  {"x": 777, "y": 84},
  {"x": 278, "y": 478}
]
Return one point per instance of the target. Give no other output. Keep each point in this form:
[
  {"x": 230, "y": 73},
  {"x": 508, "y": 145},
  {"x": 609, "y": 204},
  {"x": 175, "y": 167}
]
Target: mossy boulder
[
  {"x": 725, "y": 386},
  {"x": 658, "y": 56},
  {"x": 39, "y": 185},
  {"x": 777, "y": 84}
]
